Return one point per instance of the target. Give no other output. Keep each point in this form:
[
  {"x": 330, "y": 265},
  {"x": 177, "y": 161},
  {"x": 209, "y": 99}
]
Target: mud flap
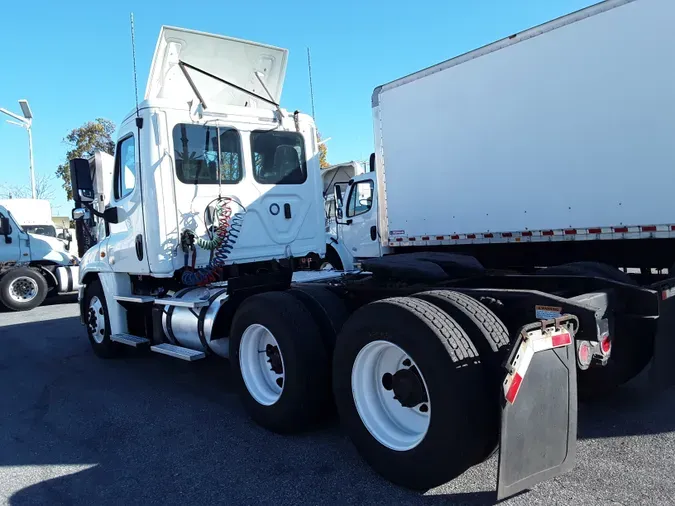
[
  {"x": 662, "y": 372},
  {"x": 539, "y": 414}
]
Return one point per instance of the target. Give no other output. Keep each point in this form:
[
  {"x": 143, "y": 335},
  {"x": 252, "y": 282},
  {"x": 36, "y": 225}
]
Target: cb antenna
[
  {"x": 311, "y": 88},
  {"x": 133, "y": 52}
]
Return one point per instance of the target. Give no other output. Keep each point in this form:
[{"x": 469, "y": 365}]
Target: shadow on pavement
[{"x": 148, "y": 429}]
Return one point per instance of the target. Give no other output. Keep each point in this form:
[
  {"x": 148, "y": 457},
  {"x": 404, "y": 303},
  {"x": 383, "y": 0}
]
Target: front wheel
[
  {"x": 410, "y": 392},
  {"x": 22, "y": 289},
  {"x": 97, "y": 322}
]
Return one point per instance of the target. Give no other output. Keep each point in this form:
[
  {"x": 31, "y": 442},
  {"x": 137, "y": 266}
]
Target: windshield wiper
[{"x": 184, "y": 66}]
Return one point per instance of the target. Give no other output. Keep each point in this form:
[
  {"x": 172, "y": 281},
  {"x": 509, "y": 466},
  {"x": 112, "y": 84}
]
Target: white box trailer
[{"x": 563, "y": 132}]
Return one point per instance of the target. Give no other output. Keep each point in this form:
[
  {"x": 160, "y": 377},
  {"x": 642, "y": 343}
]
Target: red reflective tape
[
  {"x": 513, "y": 389},
  {"x": 621, "y": 230},
  {"x": 561, "y": 340},
  {"x": 648, "y": 228},
  {"x": 571, "y": 231},
  {"x": 411, "y": 239},
  {"x": 470, "y": 236},
  {"x": 595, "y": 231},
  {"x": 547, "y": 232},
  {"x": 672, "y": 228},
  {"x": 526, "y": 234},
  {"x": 425, "y": 238},
  {"x": 507, "y": 234},
  {"x": 439, "y": 237},
  {"x": 399, "y": 239},
  {"x": 488, "y": 236},
  {"x": 455, "y": 237}
]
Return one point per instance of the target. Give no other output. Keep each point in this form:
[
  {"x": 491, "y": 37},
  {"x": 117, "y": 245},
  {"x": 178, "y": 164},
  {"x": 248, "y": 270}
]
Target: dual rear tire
[{"x": 406, "y": 378}]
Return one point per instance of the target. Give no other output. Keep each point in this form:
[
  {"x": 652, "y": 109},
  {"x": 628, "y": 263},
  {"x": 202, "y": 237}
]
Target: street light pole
[
  {"x": 32, "y": 170},
  {"x": 25, "y": 122}
]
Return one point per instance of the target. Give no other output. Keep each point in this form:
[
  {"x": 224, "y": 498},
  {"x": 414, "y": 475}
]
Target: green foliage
[
  {"x": 323, "y": 153},
  {"x": 84, "y": 141}
]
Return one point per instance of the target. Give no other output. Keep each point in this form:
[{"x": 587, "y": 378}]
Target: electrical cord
[{"x": 220, "y": 242}]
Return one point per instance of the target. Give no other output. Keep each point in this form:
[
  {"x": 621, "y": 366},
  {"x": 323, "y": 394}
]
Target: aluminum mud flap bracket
[{"x": 539, "y": 411}]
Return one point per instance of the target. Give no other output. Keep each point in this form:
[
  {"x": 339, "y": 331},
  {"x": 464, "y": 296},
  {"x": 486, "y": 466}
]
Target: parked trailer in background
[{"x": 431, "y": 359}]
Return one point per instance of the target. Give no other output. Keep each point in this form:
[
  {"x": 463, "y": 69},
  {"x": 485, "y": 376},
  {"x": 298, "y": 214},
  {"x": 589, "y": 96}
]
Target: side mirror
[
  {"x": 80, "y": 178},
  {"x": 78, "y": 213},
  {"x": 5, "y": 226},
  {"x": 372, "y": 162},
  {"x": 111, "y": 215},
  {"x": 337, "y": 193}
]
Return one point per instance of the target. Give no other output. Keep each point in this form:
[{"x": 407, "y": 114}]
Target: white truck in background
[
  {"x": 552, "y": 147},
  {"x": 431, "y": 359},
  {"x": 32, "y": 265},
  {"x": 34, "y": 215}
]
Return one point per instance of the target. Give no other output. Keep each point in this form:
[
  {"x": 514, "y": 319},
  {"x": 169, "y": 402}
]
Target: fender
[
  {"x": 345, "y": 256},
  {"x": 92, "y": 263},
  {"x": 51, "y": 277},
  {"x": 92, "y": 266}
]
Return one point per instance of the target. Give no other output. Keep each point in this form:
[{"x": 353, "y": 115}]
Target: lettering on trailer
[
  {"x": 547, "y": 312},
  {"x": 397, "y": 232}
]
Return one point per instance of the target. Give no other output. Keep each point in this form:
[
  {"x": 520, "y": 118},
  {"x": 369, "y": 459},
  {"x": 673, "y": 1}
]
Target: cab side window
[
  {"x": 360, "y": 199},
  {"x": 125, "y": 167}
]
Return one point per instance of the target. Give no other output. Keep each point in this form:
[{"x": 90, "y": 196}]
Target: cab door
[
  {"x": 359, "y": 227},
  {"x": 11, "y": 244},
  {"x": 126, "y": 239}
]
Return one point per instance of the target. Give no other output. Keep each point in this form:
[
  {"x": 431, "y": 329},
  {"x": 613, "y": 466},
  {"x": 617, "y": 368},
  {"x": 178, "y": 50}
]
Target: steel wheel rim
[
  {"x": 23, "y": 289},
  {"x": 393, "y": 425},
  {"x": 262, "y": 373},
  {"x": 96, "y": 319}
]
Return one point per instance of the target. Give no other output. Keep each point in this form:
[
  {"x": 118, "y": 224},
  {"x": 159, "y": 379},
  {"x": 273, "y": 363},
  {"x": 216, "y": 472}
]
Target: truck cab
[
  {"x": 352, "y": 219},
  {"x": 32, "y": 265},
  {"x": 209, "y": 173}
]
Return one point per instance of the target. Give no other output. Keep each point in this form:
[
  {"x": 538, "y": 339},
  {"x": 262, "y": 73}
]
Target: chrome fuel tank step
[{"x": 178, "y": 352}]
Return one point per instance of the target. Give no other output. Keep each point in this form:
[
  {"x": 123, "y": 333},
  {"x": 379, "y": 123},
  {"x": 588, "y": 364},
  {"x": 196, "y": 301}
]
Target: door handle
[
  {"x": 139, "y": 247},
  {"x": 373, "y": 232},
  {"x": 287, "y": 211}
]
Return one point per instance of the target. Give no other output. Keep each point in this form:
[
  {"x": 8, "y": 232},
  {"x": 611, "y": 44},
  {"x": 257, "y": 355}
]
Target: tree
[
  {"x": 323, "y": 153},
  {"x": 43, "y": 189},
  {"x": 84, "y": 141}
]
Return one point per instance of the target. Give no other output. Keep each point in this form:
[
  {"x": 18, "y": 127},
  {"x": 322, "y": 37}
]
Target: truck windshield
[
  {"x": 199, "y": 149},
  {"x": 278, "y": 157},
  {"x": 47, "y": 230}
]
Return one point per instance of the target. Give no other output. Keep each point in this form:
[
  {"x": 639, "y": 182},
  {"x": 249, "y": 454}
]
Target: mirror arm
[{"x": 89, "y": 206}]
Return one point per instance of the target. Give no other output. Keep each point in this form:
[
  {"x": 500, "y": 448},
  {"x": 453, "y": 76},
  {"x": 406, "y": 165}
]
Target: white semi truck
[
  {"x": 34, "y": 215},
  {"x": 432, "y": 359},
  {"x": 32, "y": 266}
]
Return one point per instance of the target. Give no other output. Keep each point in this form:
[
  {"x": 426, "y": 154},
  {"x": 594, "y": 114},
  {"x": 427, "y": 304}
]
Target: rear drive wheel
[
  {"x": 97, "y": 322},
  {"x": 22, "y": 289},
  {"x": 491, "y": 338},
  {"x": 279, "y": 362},
  {"x": 327, "y": 309},
  {"x": 410, "y": 392}
]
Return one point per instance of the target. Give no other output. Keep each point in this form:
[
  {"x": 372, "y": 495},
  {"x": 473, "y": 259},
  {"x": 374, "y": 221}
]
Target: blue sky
[{"x": 73, "y": 59}]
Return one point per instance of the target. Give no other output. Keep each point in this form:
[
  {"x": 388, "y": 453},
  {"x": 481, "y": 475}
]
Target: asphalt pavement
[{"x": 148, "y": 429}]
